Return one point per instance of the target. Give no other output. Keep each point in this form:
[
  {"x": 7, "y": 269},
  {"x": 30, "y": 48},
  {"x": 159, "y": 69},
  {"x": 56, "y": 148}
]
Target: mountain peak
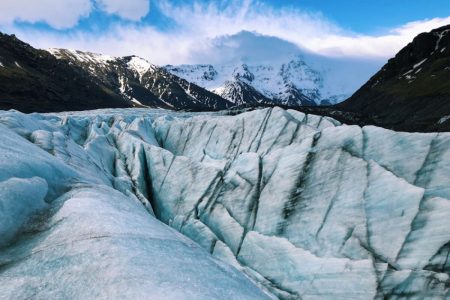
[
  {"x": 292, "y": 82},
  {"x": 242, "y": 72},
  {"x": 140, "y": 65}
]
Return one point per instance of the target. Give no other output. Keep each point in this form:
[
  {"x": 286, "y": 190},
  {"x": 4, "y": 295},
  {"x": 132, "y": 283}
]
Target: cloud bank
[
  {"x": 56, "y": 13},
  {"x": 64, "y": 14},
  {"x": 197, "y": 28}
]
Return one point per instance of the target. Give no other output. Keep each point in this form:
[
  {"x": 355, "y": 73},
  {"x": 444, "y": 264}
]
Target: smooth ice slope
[{"x": 303, "y": 205}]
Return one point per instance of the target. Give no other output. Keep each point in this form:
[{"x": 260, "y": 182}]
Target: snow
[
  {"x": 440, "y": 36},
  {"x": 86, "y": 57},
  {"x": 1, "y": 65},
  {"x": 420, "y": 63},
  {"x": 134, "y": 100},
  {"x": 444, "y": 119},
  {"x": 276, "y": 66},
  {"x": 411, "y": 77},
  {"x": 140, "y": 66},
  {"x": 406, "y": 73},
  {"x": 274, "y": 80},
  {"x": 136, "y": 203},
  {"x": 123, "y": 85}
]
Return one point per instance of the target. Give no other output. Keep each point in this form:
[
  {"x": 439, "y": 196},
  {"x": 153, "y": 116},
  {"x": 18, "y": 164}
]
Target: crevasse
[{"x": 304, "y": 206}]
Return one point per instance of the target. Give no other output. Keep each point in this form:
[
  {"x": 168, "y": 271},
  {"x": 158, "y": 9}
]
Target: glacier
[{"x": 268, "y": 203}]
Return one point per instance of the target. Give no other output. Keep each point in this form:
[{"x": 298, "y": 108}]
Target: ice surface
[
  {"x": 67, "y": 235},
  {"x": 302, "y": 205}
]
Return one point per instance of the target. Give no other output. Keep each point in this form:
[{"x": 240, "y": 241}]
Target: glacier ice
[
  {"x": 303, "y": 206},
  {"x": 72, "y": 225}
]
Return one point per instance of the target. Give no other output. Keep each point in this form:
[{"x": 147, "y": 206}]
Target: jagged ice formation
[{"x": 304, "y": 206}]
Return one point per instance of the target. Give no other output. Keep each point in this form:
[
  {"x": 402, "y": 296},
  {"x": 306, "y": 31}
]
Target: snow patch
[
  {"x": 86, "y": 57},
  {"x": 444, "y": 119},
  {"x": 420, "y": 63},
  {"x": 134, "y": 100},
  {"x": 440, "y": 36},
  {"x": 140, "y": 66}
]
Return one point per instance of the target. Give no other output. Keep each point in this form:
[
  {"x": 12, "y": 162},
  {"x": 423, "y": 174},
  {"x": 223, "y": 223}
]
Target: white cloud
[
  {"x": 200, "y": 26},
  {"x": 383, "y": 46},
  {"x": 58, "y": 14},
  {"x": 127, "y": 9},
  {"x": 311, "y": 31},
  {"x": 63, "y": 14}
]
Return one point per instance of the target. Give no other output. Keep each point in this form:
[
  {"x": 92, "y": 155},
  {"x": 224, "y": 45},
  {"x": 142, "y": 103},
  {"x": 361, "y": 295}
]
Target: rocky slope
[
  {"x": 142, "y": 83},
  {"x": 304, "y": 206},
  {"x": 292, "y": 83},
  {"x": 412, "y": 91},
  {"x": 32, "y": 80}
]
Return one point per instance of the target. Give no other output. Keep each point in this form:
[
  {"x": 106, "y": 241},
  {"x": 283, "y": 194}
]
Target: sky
[{"x": 181, "y": 31}]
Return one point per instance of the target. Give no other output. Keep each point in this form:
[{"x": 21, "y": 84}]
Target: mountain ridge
[
  {"x": 32, "y": 80},
  {"x": 143, "y": 83},
  {"x": 412, "y": 91},
  {"x": 35, "y": 80},
  {"x": 292, "y": 83}
]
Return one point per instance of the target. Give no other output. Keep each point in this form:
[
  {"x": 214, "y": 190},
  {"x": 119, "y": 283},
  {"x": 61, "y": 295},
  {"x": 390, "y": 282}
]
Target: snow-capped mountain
[
  {"x": 141, "y": 82},
  {"x": 304, "y": 206},
  {"x": 248, "y": 67},
  {"x": 61, "y": 79},
  {"x": 32, "y": 80},
  {"x": 293, "y": 83}
]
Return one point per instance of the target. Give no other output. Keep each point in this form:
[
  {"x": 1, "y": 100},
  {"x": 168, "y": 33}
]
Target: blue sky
[
  {"x": 372, "y": 16},
  {"x": 180, "y": 31}
]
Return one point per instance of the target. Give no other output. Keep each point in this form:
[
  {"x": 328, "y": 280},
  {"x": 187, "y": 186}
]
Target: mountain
[
  {"x": 249, "y": 68},
  {"x": 412, "y": 91},
  {"x": 293, "y": 83},
  {"x": 305, "y": 207},
  {"x": 142, "y": 83},
  {"x": 33, "y": 80}
]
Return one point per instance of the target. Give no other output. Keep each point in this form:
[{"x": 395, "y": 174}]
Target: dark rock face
[
  {"x": 243, "y": 94},
  {"x": 412, "y": 91},
  {"x": 33, "y": 80}
]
